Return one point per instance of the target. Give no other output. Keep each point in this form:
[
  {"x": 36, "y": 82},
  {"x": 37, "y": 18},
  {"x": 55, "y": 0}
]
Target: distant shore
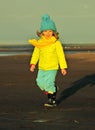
[
  {"x": 80, "y": 47},
  {"x": 29, "y": 48},
  {"x": 23, "y": 50}
]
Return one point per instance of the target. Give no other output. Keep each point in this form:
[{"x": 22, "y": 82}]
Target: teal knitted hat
[{"x": 47, "y": 23}]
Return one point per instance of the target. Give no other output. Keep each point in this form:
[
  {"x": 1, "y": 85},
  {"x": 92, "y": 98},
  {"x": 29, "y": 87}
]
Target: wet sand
[{"x": 21, "y": 101}]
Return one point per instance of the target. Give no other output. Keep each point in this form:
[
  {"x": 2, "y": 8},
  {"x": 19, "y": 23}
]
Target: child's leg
[
  {"x": 40, "y": 79},
  {"x": 49, "y": 81},
  {"x": 46, "y": 80}
]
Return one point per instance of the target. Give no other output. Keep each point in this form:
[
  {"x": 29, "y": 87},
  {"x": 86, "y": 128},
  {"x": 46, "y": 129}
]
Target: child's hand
[
  {"x": 32, "y": 68},
  {"x": 63, "y": 71}
]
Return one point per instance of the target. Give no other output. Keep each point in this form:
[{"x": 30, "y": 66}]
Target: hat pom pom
[{"x": 46, "y": 17}]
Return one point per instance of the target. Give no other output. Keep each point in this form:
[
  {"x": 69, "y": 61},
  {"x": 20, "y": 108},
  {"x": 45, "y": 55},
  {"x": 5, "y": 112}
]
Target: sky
[{"x": 20, "y": 19}]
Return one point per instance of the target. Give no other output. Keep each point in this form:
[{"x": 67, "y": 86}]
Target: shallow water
[
  {"x": 22, "y": 50},
  {"x": 12, "y": 53}
]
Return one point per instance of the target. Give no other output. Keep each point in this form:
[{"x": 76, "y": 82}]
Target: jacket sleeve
[
  {"x": 35, "y": 56},
  {"x": 61, "y": 55}
]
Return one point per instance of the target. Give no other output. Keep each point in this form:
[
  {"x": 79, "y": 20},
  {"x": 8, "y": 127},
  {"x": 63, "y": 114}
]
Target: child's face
[{"x": 48, "y": 34}]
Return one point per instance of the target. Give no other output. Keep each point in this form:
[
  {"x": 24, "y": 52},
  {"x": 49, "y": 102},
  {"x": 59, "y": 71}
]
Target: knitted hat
[{"x": 47, "y": 23}]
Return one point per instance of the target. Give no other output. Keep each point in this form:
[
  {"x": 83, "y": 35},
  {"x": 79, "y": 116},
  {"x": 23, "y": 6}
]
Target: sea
[{"x": 28, "y": 49}]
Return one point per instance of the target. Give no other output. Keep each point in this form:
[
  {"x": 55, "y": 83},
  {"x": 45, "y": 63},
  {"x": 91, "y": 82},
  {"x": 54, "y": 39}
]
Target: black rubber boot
[{"x": 51, "y": 100}]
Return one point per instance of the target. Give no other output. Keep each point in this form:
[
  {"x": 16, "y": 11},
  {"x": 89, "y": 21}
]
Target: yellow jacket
[{"x": 48, "y": 54}]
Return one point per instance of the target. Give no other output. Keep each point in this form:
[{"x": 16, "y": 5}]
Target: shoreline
[
  {"x": 14, "y": 53},
  {"x": 30, "y": 47}
]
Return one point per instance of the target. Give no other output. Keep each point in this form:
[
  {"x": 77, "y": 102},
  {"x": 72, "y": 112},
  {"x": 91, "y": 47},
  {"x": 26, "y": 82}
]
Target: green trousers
[{"x": 46, "y": 80}]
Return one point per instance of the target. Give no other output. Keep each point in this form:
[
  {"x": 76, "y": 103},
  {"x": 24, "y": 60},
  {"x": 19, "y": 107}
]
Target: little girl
[{"x": 49, "y": 55}]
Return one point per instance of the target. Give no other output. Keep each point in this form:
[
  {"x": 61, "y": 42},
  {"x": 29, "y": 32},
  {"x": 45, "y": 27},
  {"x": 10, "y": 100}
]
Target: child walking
[{"x": 49, "y": 55}]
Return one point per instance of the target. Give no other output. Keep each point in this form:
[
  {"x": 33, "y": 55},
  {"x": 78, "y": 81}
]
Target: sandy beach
[{"x": 21, "y": 101}]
